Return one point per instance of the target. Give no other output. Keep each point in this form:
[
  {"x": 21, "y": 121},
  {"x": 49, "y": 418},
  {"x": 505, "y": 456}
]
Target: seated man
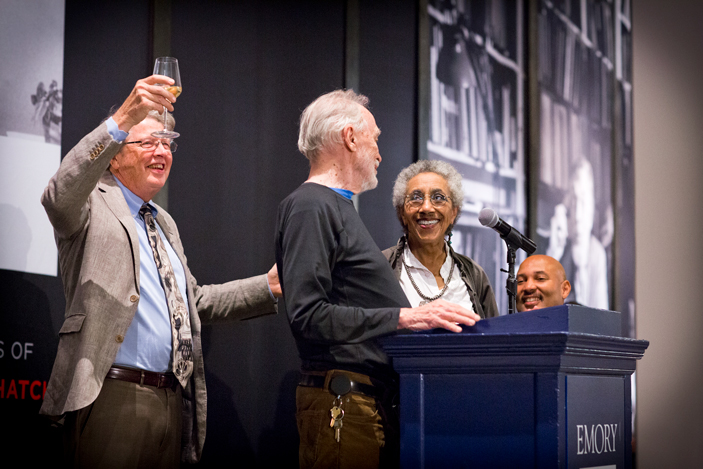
[{"x": 541, "y": 283}]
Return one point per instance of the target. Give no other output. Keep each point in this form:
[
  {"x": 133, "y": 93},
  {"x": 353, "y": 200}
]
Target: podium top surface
[
  {"x": 566, "y": 318},
  {"x": 568, "y": 338}
]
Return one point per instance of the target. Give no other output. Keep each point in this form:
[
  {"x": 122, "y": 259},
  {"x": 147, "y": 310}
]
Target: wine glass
[{"x": 168, "y": 66}]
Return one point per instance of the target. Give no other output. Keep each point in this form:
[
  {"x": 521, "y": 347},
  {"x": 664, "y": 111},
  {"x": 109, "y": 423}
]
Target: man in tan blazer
[{"x": 116, "y": 411}]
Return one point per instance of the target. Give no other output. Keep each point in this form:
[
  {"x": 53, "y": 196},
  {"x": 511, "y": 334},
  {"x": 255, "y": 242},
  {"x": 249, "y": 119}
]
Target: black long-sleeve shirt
[{"x": 339, "y": 291}]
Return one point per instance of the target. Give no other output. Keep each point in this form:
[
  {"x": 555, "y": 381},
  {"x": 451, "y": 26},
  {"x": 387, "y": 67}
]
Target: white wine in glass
[
  {"x": 174, "y": 90},
  {"x": 168, "y": 66}
]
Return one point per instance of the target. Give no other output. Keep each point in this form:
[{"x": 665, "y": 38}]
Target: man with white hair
[{"x": 341, "y": 295}]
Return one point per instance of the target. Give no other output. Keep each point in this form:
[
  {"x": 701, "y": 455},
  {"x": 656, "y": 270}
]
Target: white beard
[{"x": 369, "y": 183}]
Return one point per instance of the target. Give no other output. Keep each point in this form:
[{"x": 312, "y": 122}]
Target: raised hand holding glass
[{"x": 168, "y": 66}]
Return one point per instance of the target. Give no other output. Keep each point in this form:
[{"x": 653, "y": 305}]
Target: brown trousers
[
  {"x": 128, "y": 426},
  {"x": 368, "y": 436}
]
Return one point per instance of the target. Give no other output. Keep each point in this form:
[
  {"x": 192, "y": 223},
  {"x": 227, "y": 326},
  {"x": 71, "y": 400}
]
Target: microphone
[{"x": 488, "y": 217}]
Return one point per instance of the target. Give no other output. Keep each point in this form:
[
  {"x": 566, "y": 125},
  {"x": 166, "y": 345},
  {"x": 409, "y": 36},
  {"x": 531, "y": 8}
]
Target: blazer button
[
  {"x": 119, "y": 339},
  {"x": 133, "y": 298}
]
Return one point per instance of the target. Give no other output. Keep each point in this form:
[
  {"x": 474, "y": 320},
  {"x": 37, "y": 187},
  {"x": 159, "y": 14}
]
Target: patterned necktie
[{"x": 181, "y": 338}]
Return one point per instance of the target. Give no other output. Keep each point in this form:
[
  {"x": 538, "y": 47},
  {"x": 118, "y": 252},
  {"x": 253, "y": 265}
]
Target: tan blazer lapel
[{"x": 115, "y": 201}]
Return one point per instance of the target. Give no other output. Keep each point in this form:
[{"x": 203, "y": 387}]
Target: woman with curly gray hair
[{"x": 428, "y": 196}]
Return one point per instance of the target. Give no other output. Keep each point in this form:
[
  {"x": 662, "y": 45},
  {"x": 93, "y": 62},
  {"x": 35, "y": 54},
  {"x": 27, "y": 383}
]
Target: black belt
[
  {"x": 318, "y": 381},
  {"x": 143, "y": 377}
]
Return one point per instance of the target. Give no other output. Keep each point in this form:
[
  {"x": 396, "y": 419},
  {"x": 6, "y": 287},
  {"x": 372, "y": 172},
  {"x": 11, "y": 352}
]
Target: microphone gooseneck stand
[
  {"x": 514, "y": 240},
  {"x": 511, "y": 282}
]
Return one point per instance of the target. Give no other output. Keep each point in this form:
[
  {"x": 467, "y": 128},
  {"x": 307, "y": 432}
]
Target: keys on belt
[{"x": 340, "y": 385}]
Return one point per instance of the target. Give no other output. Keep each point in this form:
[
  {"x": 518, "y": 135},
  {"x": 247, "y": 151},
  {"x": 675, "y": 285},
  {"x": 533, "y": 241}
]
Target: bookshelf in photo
[
  {"x": 476, "y": 116},
  {"x": 576, "y": 65}
]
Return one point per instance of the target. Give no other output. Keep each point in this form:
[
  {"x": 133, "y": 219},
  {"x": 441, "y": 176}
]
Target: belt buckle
[{"x": 141, "y": 380}]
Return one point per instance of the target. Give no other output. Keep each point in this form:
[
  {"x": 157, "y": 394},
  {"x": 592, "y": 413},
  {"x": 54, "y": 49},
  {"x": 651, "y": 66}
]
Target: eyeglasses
[
  {"x": 151, "y": 145},
  {"x": 417, "y": 200}
]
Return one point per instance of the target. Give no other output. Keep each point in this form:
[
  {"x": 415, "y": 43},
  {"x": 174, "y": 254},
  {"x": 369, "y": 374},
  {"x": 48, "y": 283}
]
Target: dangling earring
[{"x": 449, "y": 241}]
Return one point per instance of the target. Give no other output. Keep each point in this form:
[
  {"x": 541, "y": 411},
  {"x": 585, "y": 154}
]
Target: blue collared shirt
[{"x": 147, "y": 343}]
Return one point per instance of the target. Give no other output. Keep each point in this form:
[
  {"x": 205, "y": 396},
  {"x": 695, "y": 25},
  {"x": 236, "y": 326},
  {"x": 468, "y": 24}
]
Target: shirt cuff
[
  {"x": 275, "y": 300},
  {"x": 117, "y": 135}
]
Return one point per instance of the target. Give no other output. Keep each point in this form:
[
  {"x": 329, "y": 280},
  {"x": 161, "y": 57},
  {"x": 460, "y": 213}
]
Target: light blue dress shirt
[
  {"x": 112, "y": 128},
  {"x": 147, "y": 343}
]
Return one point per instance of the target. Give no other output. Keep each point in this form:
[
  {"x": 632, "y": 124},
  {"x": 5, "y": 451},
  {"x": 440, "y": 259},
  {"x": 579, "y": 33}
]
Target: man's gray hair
[
  {"x": 444, "y": 169},
  {"x": 322, "y": 122},
  {"x": 158, "y": 116},
  {"x": 153, "y": 114}
]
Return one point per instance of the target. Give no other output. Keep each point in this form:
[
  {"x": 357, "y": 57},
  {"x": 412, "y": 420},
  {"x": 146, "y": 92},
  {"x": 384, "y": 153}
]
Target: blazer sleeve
[
  {"x": 65, "y": 198},
  {"x": 236, "y": 300}
]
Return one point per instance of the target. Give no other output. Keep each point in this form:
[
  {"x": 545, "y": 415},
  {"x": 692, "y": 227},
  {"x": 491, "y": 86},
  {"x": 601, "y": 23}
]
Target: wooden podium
[{"x": 542, "y": 389}]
